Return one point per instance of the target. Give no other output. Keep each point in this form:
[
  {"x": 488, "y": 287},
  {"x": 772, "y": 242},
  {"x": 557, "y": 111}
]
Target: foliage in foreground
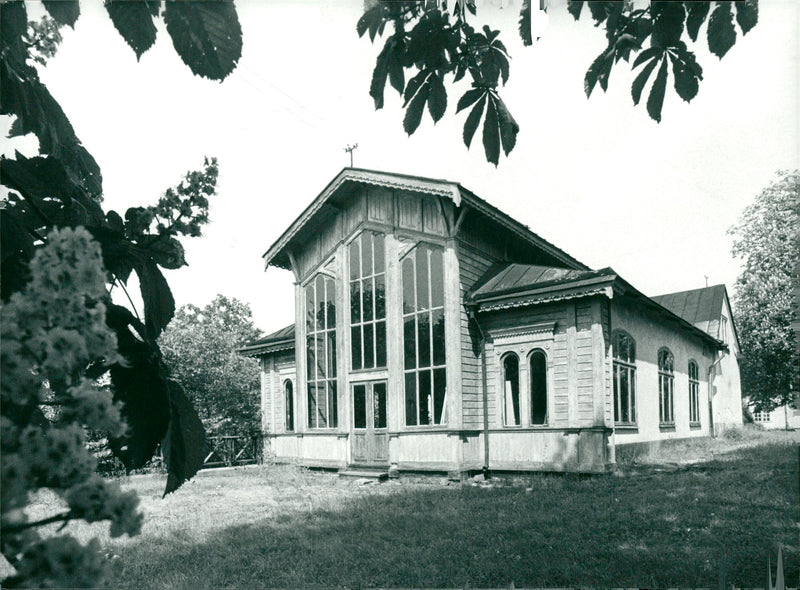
[
  {"x": 433, "y": 41},
  {"x": 767, "y": 238},
  {"x": 199, "y": 346},
  {"x": 62, "y": 188},
  {"x": 52, "y": 330}
]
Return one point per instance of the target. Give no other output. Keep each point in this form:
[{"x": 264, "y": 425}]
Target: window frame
[
  {"x": 546, "y": 376},
  {"x": 288, "y": 405},
  {"x": 373, "y": 324},
  {"x": 433, "y": 368},
  {"x": 666, "y": 387},
  {"x": 627, "y": 364},
  {"x": 694, "y": 393},
  {"x": 503, "y": 359},
  {"x": 762, "y": 416},
  {"x": 329, "y": 338}
]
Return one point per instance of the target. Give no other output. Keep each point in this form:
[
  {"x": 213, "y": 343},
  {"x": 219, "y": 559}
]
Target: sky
[{"x": 597, "y": 177}]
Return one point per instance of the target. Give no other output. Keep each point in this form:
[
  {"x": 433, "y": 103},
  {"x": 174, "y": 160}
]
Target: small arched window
[
  {"x": 511, "y": 415},
  {"x": 624, "y": 377},
  {"x": 538, "y": 371},
  {"x": 288, "y": 401},
  {"x": 666, "y": 383},
  {"x": 694, "y": 393}
]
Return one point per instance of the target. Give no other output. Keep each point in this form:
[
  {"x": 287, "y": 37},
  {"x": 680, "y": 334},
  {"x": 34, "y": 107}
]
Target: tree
[
  {"x": 767, "y": 238},
  {"x": 432, "y": 40},
  {"x": 52, "y": 329},
  {"x": 199, "y": 347}
]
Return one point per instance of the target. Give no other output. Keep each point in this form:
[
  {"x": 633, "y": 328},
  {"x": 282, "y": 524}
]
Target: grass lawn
[{"x": 652, "y": 526}]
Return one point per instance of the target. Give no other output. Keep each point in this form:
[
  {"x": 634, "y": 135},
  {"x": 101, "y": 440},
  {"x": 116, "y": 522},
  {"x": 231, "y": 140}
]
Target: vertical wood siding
[
  {"x": 585, "y": 366},
  {"x": 556, "y": 356},
  {"x": 473, "y": 264},
  {"x": 608, "y": 396},
  {"x": 576, "y": 359}
]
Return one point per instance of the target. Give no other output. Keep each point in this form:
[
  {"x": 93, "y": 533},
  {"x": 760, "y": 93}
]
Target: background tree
[
  {"x": 767, "y": 238},
  {"x": 199, "y": 346},
  {"x": 433, "y": 41}
]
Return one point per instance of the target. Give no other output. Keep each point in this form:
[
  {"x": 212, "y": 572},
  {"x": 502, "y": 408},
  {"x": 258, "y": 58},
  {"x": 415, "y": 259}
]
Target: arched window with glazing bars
[
  {"x": 538, "y": 381},
  {"x": 666, "y": 386},
  {"x": 321, "y": 352},
  {"x": 423, "y": 336},
  {"x": 694, "y": 393},
  {"x": 288, "y": 405},
  {"x": 368, "y": 301},
  {"x": 624, "y": 377},
  {"x": 511, "y": 415}
]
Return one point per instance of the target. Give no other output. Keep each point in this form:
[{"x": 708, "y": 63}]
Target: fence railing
[
  {"x": 225, "y": 451},
  {"x": 220, "y": 451}
]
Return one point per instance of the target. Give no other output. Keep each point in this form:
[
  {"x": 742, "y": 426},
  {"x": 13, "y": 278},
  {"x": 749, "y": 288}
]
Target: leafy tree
[
  {"x": 199, "y": 346},
  {"x": 52, "y": 329},
  {"x": 432, "y": 40},
  {"x": 767, "y": 238},
  {"x": 60, "y": 329}
]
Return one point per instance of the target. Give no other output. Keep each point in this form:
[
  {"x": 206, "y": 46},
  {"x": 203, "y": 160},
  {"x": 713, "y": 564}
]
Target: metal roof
[
  {"x": 506, "y": 286},
  {"x": 700, "y": 307},
  {"x": 283, "y": 339}
]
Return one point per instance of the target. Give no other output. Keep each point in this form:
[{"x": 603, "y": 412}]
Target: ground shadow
[{"x": 665, "y": 529}]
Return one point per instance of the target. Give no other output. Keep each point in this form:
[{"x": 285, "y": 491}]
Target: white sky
[{"x": 596, "y": 177}]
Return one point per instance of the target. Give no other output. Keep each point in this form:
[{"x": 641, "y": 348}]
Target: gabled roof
[
  {"x": 327, "y": 204},
  {"x": 506, "y": 286},
  {"x": 283, "y": 339},
  {"x": 700, "y": 307}
]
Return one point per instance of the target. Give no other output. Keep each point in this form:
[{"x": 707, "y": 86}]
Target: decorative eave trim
[
  {"x": 547, "y": 328},
  {"x": 441, "y": 188},
  {"x": 265, "y": 349},
  {"x": 529, "y": 301}
]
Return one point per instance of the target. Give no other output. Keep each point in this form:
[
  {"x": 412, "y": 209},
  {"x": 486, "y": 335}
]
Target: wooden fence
[{"x": 225, "y": 451}]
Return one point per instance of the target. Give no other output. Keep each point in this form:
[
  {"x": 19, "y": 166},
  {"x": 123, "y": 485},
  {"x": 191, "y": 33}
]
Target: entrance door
[{"x": 370, "y": 434}]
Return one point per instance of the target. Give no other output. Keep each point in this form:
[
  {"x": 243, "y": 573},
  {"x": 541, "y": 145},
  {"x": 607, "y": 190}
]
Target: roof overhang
[
  {"x": 257, "y": 350},
  {"x": 339, "y": 188},
  {"x": 538, "y": 294},
  {"x": 277, "y": 255}
]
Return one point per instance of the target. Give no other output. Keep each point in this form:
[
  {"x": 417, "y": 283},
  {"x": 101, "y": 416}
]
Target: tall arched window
[
  {"x": 367, "y": 302},
  {"x": 288, "y": 404},
  {"x": 538, "y": 370},
  {"x": 666, "y": 383},
  {"x": 321, "y": 352},
  {"x": 624, "y": 378},
  {"x": 511, "y": 415},
  {"x": 694, "y": 393},
  {"x": 423, "y": 336}
]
